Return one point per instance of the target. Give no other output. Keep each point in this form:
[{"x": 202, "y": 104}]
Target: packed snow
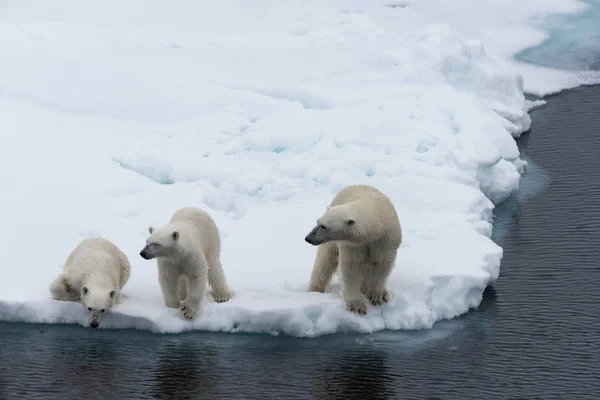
[{"x": 116, "y": 114}]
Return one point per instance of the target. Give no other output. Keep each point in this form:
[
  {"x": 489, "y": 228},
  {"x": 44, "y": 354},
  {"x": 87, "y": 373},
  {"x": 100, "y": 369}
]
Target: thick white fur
[
  {"x": 188, "y": 251},
  {"x": 359, "y": 236},
  {"x": 94, "y": 273}
]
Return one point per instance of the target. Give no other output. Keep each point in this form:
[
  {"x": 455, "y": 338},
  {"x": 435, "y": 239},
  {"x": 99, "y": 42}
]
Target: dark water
[{"x": 535, "y": 336}]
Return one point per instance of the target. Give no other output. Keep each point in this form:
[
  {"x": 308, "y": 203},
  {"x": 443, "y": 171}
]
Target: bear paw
[
  {"x": 357, "y": 307},
  {"x": 378, "y": 298},
  {"x": 172, "y": 303},
  {"x": 222, "y": 297},
  {"x": 188, "y": 312},
  {"x": 71, "y": 293},
  {"x": 316, "y": 288}
]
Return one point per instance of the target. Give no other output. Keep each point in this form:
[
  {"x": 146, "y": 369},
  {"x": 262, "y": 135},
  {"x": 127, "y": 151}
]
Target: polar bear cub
[
  {"x": 94, "y": 274},
  {"x": 188, "y": 250},
  {"x": 359, "y": 235}
]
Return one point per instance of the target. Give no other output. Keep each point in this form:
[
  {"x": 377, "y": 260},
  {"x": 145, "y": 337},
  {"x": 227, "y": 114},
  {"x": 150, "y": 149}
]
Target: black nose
[
  {"x": 94, "y": 324},
  {"x": 143, "y": 253},
  {"x": 311, "y": 240}
]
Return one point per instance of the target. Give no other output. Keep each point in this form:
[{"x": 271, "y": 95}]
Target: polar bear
[
  {"x": 94, "y": 274},
  {"x": 188, "y": 251},
  {"x": 359, "y": 232}
]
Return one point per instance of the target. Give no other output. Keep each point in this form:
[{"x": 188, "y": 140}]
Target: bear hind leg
[
  {"x": 326, "y": 262},
  {"x": 216, "y": 279}
]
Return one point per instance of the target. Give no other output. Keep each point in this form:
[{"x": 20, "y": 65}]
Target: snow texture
[{"x": 116, "y": 114}]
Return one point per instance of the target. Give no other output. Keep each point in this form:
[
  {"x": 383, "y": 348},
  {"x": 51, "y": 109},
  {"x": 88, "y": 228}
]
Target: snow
[
  {"x": 509, "y": 27},
  {"x": 116, "y": 114}
]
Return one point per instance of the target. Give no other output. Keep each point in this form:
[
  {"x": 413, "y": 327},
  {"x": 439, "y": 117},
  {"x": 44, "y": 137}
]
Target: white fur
[
  {"x": 188, "y": 250},
  {"x": 94, "y": 274},
  {"x": 359, "y": 235}
]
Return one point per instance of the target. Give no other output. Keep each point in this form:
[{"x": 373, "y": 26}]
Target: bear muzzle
[
  {"x": 95, "y": 317},
  {"x": 312, "y": 238},
  {"x": 144, "y": 254}
]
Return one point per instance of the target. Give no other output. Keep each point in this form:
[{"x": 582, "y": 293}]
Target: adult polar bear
[
  {"x": 188, "y": 251},
  {"x": 94, "y": 273},
  {"x": 360, "y": 234}
]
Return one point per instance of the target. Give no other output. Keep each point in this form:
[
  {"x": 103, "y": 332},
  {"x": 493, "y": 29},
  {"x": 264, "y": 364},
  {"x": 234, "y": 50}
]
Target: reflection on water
[
  {"x": 356, "y": 373},
  {"x": 185, "y": 370},
  {"x": 52, "y": 362}
]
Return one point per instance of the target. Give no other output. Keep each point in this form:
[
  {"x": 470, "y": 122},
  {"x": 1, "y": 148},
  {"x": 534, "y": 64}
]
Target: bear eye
[
  {"x": 102, "y": 310},
  {"x": 89, "y": 308},
  {"x": 323, "y": 226}
]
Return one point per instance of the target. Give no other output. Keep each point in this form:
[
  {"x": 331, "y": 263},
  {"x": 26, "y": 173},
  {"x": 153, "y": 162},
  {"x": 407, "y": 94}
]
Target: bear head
[
  {"x": 97, "y": 300},
  {"x": 337, "y": 224},
  {"x": 162, "y": 242}
]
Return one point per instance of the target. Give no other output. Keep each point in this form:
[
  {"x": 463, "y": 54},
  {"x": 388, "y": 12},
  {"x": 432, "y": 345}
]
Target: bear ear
[
  {"x": 112, "y": 294},
  {"x": 150, "y": 229},
  {"x": 350, "y": 222},
  {"x": 84, "y": 290},
  {"x": 175, "y": 235}
]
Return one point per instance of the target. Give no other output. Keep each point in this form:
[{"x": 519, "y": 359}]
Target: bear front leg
[
  {"x": 183, "y": 284},
  {"x": 169, "y": 286},
  {"x": 351, "y": 273},
  {"x": 380, "y": 273},
  {"x": 191, "y": 306},
  {"x": 326, "y": 262},
  {"x": 118, "y": 299},
  {"x": 216, "y": 279},
  {"x": 365, "y": 283},
  {"x": 62, "y": 290}
]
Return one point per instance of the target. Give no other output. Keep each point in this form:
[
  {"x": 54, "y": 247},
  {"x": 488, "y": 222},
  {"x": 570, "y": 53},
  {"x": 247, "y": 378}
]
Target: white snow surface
[{"x": 116, "y": 114}]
